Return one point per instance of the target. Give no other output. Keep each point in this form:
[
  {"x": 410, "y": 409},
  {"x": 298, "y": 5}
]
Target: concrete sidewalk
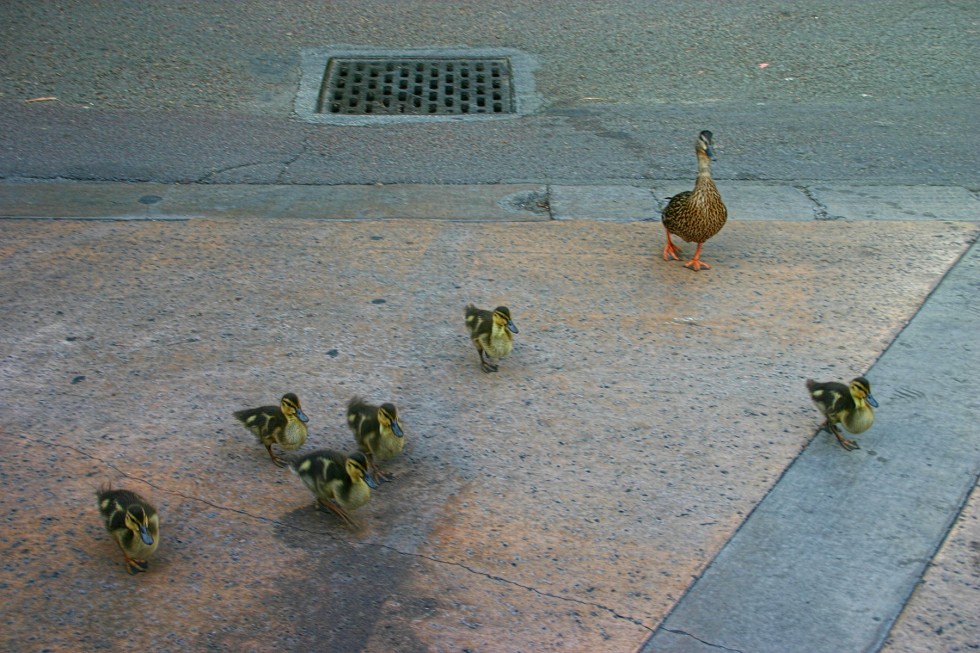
[
  {"x": 607, "y": 489},
  {"x": 803, "y": 200}
]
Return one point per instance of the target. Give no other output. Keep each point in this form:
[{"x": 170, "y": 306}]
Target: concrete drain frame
[{"x": 347, "y": 85}]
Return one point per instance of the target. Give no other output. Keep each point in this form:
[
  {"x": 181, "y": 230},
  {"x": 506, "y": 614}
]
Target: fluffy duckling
[
  {"x": 339, "y": 482},
  {"x": 133, "y": 523},
  {"x": 491, "y": 333},
  {"x": 284, "y": 425},
  {"x": 850, "y": 405},
  {"x": 377, "y": 431},
  {"x": 696, "y": 215}
]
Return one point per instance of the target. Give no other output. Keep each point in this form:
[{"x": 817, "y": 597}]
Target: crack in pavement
[
  {"x": 598, "y": 606},
  {"x": 303, "y": 149},
  {"x": 820, "y": 211},
  {"x": 683, "y": 633},
  {"x": 282, "y": 163}
]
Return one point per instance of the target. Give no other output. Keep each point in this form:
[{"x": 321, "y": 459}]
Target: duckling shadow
[{"x": 353, "y": 589}]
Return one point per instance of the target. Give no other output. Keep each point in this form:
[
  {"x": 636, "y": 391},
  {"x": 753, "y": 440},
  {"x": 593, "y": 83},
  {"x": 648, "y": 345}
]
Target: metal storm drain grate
[
  {"x": 422, "y": 86},
  {"x": 358, "y": 85}
]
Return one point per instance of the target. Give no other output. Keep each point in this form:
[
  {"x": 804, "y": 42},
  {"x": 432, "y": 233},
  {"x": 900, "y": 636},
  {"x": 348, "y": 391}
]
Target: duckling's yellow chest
[
  {"x": 860, "y": 420},
  {"x": 294, "y": 435},
  {"x": 389, "y": 445},
  {"x": 499, "y": 343},
  {"x": 357, "y": 496}
]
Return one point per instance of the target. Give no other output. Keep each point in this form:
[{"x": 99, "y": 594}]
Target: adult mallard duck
[
  {"x": 850, "y": 405},
  {"x": 695, "y": 215},
  {"x": 339, "y": 482},
  {"x": 377, "y": 431},
  {"x": 491, "y": 333},
  {"x": 133, "y": 523},
  {"x": 284, "y": 425}
]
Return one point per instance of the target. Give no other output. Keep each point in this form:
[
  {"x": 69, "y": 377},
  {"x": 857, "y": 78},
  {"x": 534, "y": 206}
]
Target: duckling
[
  {"x": 491, "y": 333},
  {"x": 848, "y": 404},
  {"x": 377, "y": 431},
  {"x": 133, "y": 523},
  {"x": 696, "y": 215},
  {"x": 339, "y": 482},
  {"x": 284, "y": 425}
]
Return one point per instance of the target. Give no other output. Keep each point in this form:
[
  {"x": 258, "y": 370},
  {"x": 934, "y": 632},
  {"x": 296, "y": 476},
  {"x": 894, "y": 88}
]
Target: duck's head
[
  {"x": 388, "y": 416},
  {"x": 357, "y": 469},
  {"x": 289, "y": 405},
  {"x": 138, "y": 522},
  {"x": 861, "y": 389},
  {"x": 501, "y": 317},
  {"x": 705, "y": 145}
]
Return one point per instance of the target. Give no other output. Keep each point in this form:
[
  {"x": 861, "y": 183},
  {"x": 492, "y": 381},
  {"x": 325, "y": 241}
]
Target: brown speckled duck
[
  {"x": 695, "y": 215},
  {"x": 850, "y": 405}
]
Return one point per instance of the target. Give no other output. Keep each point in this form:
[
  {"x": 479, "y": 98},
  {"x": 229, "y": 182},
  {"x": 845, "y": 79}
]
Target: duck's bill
[
  {"x": 302, "y": 416},
  {"x": 145, "y": 536},
  {"x": 511, "y": 326},
  {"x": 871, "y": 400}
]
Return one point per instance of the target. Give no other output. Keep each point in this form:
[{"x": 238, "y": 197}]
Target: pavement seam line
[
  {"x": 683, "y": 633},
  {"x": 634, "y": 620}
]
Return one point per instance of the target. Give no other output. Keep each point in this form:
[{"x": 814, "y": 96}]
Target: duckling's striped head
[
  {"x": 289, "y": 405},
  {"x": 861, "y": 389},
  {"x": 388, "y": 416},
  {"x": 501, "y": 317},
  {"x": 357, "y": 469},
  {"x": 705, "y": 144},
  {"x": 138, "y": 522}
]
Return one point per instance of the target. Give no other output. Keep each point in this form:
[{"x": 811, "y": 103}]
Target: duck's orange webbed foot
[{"x": 696, "y": 263}]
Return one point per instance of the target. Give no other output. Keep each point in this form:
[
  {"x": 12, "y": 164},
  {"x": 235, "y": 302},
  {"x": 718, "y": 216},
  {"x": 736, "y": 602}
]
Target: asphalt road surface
[{"x": 874, "y": 92}]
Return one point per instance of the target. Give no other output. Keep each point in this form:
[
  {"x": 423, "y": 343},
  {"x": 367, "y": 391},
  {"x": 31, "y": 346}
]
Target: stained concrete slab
[
  {"x": 101, "y": 200},
  {"x": 826, "y": 561},
  {"x": 506, "y": 202},
  {"x": 898, "y": 202},
  {"x": 614, "y": 203},
  {"x": 564, "y": 503}
]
